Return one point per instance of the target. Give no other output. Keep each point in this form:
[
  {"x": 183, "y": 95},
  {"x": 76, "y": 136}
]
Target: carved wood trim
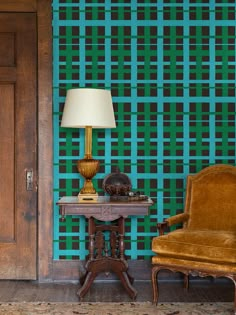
[{"x": 44, "y": 139}]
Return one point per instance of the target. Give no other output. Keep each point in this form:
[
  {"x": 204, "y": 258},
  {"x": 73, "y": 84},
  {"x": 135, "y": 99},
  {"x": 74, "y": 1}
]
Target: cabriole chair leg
[{"x": 155, "y": 289}]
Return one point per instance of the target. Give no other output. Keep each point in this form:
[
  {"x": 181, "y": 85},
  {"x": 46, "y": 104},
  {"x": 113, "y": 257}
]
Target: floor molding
[{"x": 70, "y": 270}]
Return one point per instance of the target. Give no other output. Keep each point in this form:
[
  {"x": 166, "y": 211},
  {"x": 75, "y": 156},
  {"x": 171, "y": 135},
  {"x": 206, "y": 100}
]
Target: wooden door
[{"x": 18, "y": 144}]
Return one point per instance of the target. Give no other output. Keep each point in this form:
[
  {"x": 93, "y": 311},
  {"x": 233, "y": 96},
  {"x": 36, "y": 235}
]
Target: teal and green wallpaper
[{"x": 171, "y": 69}]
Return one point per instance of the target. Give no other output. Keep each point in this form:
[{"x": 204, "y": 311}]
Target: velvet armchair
[{"x": 205, "y": 243}]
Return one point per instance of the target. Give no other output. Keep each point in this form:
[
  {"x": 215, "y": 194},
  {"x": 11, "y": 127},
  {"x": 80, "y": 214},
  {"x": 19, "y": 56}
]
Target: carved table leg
[
  {"x": 131, "y": 279},
  {"x": 121, "y": 226},
  {"x": 107, "y": 264},
  {"x": 90, "y": 276},
  {"x": 125, "y": 280},
  {"x": 83, "y": 278},
  {"x": 100, "y": 260}
]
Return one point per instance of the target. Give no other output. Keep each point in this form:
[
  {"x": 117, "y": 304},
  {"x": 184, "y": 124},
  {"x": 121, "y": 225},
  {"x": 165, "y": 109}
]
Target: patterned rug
[{"x": 147, "y": 308}]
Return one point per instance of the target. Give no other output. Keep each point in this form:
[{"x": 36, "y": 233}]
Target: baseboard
[{"x": 71, "y": 270}]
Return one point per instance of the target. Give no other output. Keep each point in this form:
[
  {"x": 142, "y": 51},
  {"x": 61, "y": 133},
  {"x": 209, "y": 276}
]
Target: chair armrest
[
  {"x": 162, "y": 227},
  {"x": 178, "y": 218}
]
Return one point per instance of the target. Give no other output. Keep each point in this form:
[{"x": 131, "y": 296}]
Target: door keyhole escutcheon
[{"x": 29, "y": 180}]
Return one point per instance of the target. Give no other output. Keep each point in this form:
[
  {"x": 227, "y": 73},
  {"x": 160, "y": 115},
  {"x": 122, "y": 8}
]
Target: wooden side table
[{"x": 105, "y": 256}]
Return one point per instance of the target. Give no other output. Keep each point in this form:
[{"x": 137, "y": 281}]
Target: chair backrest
[{"x": 211, "y": 199}]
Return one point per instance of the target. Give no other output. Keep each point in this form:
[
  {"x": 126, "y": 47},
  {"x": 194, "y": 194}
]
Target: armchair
[{"x": 206, "y": 243}]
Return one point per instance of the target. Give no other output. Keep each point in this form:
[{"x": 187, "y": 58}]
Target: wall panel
[{"x": 170, "y": 65}]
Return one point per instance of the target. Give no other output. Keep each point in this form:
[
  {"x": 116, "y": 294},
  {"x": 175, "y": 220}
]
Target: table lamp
[{"x": 88, "y": 108}]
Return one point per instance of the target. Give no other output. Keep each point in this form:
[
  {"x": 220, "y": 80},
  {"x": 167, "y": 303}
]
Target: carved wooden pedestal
[{"x": 106, "y": 241}]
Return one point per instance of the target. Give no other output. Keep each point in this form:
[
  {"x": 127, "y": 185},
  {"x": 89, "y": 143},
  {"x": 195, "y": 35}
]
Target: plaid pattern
[{"x": 170, "y": 65}]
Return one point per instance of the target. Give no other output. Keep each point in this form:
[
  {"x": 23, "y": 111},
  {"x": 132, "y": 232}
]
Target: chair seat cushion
[
  {"x": 206, "y": 268},
  {"x": 198, "y": 245}
]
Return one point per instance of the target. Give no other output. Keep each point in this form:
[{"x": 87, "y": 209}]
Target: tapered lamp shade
[{"x": 88, "y": 107}]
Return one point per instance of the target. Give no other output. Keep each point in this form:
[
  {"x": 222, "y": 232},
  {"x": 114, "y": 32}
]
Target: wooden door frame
[
  {"x": 43, "y": 9},
  {"x": 45, "y": 143}
]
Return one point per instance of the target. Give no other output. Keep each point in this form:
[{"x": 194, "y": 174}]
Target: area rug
[{"x": 147, "y": 308}]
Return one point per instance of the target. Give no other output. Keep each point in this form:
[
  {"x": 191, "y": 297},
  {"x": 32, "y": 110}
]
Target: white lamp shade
[{"x": 88, "y": 107}]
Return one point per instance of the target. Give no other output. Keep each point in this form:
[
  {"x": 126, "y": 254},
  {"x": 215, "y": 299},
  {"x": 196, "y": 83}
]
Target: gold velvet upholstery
[{"x": 206, "y": 243}]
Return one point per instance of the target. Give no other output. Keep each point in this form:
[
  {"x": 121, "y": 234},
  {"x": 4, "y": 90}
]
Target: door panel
[
  {"x": 18, "y": 144},
  {"x": 7, "y": 163}
]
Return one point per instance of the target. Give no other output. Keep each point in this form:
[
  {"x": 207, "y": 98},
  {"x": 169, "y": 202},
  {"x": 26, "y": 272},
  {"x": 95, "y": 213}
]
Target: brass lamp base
[
  {"x": 88, "y": 168},
  {"x": 87, "y": 197}
]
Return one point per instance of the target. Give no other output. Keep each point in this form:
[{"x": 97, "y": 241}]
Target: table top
[
  {"x": 74, "y": 200},
  {"x": 103, "y": 208}
]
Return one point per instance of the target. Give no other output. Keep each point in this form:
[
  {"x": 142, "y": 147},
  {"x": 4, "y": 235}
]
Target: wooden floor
[{"x": 170, "y": 291}]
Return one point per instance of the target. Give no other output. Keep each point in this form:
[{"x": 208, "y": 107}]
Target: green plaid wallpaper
[{"x": 170, "y": 66}]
